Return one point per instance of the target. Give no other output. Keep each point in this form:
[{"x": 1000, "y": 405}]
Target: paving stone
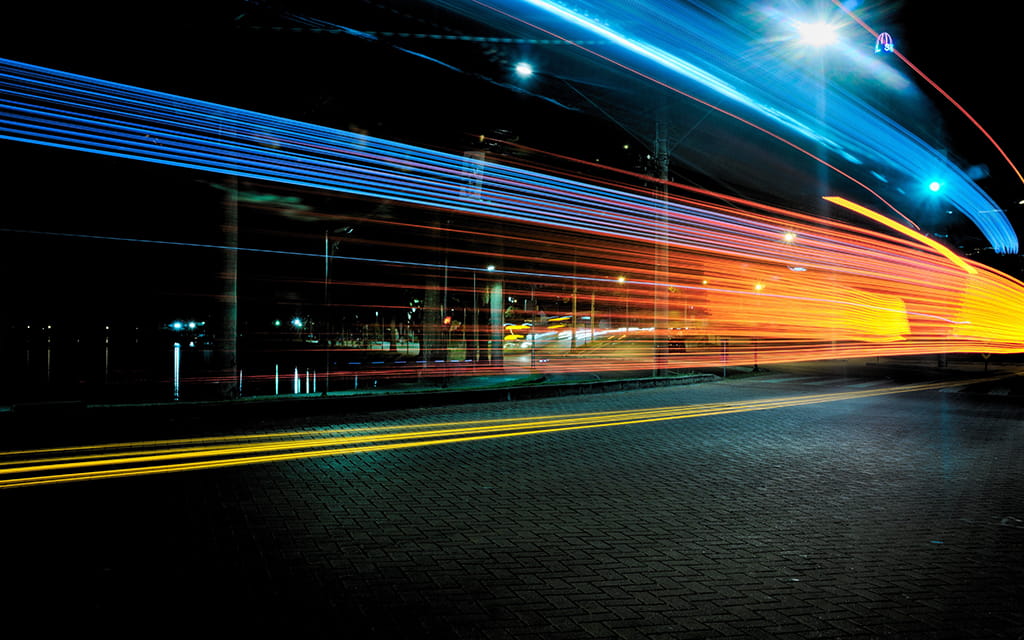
[{"x": 818, "y": 521}]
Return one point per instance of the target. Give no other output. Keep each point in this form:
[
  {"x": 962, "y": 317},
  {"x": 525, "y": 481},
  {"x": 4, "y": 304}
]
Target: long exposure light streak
[
  {"x": 677, "y": 64},
  {"x": 120, "y": 460},
  {"x": 861, "y": 302},
  {"x": 166, "y": 129},
  {"x": 743, "y": 282},
  {"x": 176, "y": 131},
  {"x": 877, "y": 217},
  {"x": 666, "y": 43}
]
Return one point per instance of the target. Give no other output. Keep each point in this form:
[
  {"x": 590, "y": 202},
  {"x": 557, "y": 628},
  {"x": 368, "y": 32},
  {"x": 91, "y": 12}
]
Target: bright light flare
[
  {"x": 524, "y": 69},
  {"x": 817, "y": 34}
]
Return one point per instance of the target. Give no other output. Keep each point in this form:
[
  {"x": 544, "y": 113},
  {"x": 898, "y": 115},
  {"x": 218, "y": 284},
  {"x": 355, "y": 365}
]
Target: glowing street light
[
  {"x": 817, "y": 33},
  {"x": 758, "y": 288},
  {"x": 524, "y": 69},
  {"x": 622, "y": 280}
]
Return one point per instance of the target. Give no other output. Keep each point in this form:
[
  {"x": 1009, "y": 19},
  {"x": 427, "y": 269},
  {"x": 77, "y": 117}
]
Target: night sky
[{"x": 970, "y": 50}]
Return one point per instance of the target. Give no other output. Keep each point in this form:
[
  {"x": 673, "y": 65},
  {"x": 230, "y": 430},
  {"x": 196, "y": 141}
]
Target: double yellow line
[{"x": 119, "y": 460}]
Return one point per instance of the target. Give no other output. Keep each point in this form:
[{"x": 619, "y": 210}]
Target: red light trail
[{"x": 701, "y": 278}]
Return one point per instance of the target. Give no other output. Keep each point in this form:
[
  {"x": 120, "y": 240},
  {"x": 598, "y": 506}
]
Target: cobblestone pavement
[{"x": 893, "y": 516}]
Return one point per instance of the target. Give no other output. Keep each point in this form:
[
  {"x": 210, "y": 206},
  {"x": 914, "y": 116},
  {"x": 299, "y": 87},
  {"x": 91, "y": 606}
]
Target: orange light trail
[{"x": 762, "y": 284}]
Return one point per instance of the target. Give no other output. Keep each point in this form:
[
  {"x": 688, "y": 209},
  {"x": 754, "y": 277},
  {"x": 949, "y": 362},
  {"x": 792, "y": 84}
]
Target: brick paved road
[{"x": 898, "y": 516}]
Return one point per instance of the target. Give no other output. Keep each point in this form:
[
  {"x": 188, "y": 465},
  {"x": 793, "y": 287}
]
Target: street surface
[{"x": 797, "y": 503}]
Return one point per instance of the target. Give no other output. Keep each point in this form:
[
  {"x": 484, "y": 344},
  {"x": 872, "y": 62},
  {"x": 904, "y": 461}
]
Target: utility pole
[
  {"x": 661, "y": 266},
  {"x": 325, "y": 332},
  {"x": 226, "y": 346}
]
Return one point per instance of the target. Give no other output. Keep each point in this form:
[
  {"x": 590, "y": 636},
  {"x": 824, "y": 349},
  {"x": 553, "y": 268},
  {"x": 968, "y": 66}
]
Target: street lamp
[
  {"x": 758, "y": 288},
  {"x": 622, "y": 281},
  {"x": 820, "y": 34},
  {"x": 476, "y": 317}
]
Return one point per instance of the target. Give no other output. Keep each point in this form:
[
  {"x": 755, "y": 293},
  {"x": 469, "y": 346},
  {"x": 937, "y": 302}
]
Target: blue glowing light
[
  {"x": 817, "y": 33},
  {"x": 524, "y": 69},
  {"x": 69, "y": 111}
]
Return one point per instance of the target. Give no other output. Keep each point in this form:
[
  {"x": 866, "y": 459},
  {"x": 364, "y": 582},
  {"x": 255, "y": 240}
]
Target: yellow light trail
[
  {"x": 892, "y": 224},
  {"x": 40, "y": 467}
]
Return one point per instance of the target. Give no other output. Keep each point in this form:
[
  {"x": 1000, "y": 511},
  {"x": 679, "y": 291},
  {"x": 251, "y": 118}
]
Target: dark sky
[{"x": 972, "y": 51}]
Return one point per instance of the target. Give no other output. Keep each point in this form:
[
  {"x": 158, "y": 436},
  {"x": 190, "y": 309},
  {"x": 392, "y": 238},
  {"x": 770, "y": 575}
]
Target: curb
[{"x": 69, "y": 417}]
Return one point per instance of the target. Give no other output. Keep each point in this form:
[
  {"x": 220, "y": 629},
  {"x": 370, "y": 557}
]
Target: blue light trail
[
  {"x": 712, "y": 55},
  {"x": 70, "y": 111}
]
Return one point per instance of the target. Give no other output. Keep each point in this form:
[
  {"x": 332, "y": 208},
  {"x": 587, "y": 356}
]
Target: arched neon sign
[{"x": 884, "y": 43}]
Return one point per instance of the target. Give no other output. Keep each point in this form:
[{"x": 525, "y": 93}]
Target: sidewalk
[
  {"x": 434, "y": 393},
  {"x": 895, "y": 516},
  {"x": 439, "y": 391}
]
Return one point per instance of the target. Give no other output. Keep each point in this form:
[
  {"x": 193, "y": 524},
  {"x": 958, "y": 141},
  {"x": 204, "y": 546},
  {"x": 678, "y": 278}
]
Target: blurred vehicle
[
  {"x": 516, "y": 332},
  {"x": 559, "y": 322}
]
